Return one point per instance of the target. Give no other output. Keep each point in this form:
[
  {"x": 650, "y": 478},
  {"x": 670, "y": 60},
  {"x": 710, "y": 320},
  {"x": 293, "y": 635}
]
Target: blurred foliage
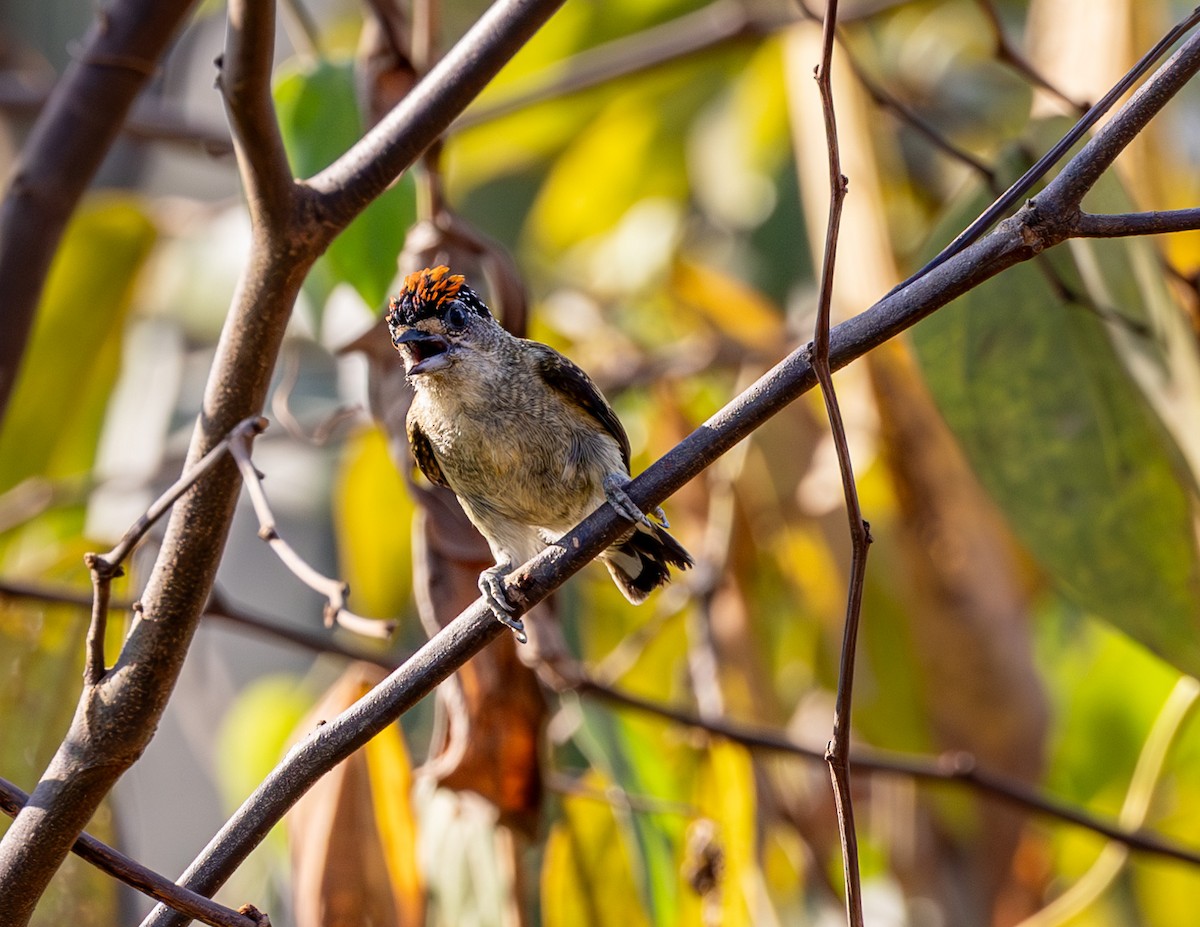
[{"x": 1027, "y": 460}]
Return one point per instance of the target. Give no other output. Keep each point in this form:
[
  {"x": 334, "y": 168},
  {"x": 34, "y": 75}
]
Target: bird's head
[{"x": 436, "y": 320}]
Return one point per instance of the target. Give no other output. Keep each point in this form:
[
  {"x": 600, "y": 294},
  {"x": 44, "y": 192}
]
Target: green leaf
[
  {"x": 1064, "y": 439},
  {"x": 631, "y": 753},
  {"x": 74, "y": 351},
  {"x": 318, "y": 116}
]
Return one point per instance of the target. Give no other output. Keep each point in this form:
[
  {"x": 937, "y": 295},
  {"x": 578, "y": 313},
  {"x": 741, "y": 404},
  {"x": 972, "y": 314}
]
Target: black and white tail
[{"x": 639, "y": 563}]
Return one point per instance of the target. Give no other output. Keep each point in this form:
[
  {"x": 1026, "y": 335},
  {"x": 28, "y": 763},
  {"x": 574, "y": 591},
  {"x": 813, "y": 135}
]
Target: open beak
[{"x": 423, "y": 352}]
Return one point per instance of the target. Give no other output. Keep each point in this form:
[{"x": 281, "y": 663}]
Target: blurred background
[{"x": 656, "y": 173}]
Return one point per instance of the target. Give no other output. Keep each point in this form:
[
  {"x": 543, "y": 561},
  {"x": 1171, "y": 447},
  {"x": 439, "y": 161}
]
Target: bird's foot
[
  {"x": 491, "y": 584},
  {"x": 618, "y": 498}
]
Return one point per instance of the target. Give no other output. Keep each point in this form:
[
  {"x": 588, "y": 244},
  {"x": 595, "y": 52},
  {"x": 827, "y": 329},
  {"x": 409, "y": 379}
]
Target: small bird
[{"x": 522, "y": 436}]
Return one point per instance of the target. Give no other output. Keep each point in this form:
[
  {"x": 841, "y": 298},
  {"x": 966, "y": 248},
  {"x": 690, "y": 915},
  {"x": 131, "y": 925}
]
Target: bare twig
[
  {"x": 292, "y": 224},
  {"x": 838, "y": 753},
  {"x": 219, "y": 609},
  {"x": 1012, "y": 56},
  {"x": 1090, "y": 225},
  {"x": 1026, "y": 182},
  {"x": 107, "y": 567},
  {"x": 133, "y": 873},
  {"x": 954, "y": 768},
  {"x": 334, "y": 590},
  {"x": 902, "y": 111}
]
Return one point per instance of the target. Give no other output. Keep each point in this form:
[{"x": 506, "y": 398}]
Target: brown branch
[
  {"x": 64, "y": 150},
  {"x": 134, "y": 874},
  {"x": 334, "y": 590},
  {"x": 952, "y": 768},
  {"x": 244, "y": 79},
  {"x": 104, "y": 568},
  {"x": 219, "y": 609},
  {"x": 1090, "y": 225},
  {"x": 901, "y": 110},
  {"x": 838, "y": 753},
  {"x": 1081, "y": 173},
  {"x": 1009, "y": 54}
]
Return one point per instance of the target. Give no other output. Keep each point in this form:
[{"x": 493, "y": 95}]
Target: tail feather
[{"x": 639, "y": 564}]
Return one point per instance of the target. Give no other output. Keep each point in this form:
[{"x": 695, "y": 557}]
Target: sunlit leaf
[
  {"x": 630, "y": 751},
  {"x": 373, "y": 517},
  {"x": 318, "y": 115},
  {"x": 390, "y": 774},
  {"x": 353, "y": 835},
  {"x": 255, "y": 731},
  {"x": 587, "y": 879},
  {"x": 73, "y": 355},
  {"x": 725, "y": 796},
  {"x": 1067, "y": 444}
]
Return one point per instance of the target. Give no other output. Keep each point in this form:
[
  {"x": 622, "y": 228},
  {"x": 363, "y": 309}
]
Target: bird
[{"x": 521, "y": 435}]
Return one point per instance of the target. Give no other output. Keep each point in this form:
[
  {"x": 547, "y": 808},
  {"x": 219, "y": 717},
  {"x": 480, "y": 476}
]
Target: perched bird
[{"x": 522, "y": 436}]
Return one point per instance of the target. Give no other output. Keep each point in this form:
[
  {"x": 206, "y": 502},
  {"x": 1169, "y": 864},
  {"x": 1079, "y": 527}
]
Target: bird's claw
[
  {"x": 618, "y": 498},
  {"x": 491, "y": 584}
]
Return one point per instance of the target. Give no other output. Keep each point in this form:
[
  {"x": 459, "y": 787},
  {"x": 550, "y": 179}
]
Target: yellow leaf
[
  {"x": 373, "y": 521},
  {"x": 586, "y": 876},
  {"x": 736, "y": 308}
]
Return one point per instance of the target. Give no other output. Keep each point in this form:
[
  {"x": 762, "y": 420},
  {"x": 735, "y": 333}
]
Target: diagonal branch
[
  {"x": 1073, "y": 186},
  {"x": 133, "y": 873},
  {"x": 1014, "y": 240},
  {"x": 116, "y": 719},
  {"x": 344, "y": 188}
]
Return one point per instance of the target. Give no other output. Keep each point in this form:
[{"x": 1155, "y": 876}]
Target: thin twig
[
  {"x": 334, "y": 590},
  {"x": 107, "y": 567},
  {"x": 133, "y": 873},
  {"x": 952, "y": 768},
  {"x": 901, "y": 110},
  {"x": 1026, "y": 182},
  {"x": 838, "y": 753},
  {"x": 1121, "y": 225},
  {"x": 219, "y": 608},
  {"x": 1009, "y": 54}
]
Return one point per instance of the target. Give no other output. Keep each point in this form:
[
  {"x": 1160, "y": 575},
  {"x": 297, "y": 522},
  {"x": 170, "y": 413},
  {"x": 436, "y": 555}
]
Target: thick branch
[
  {"x": 245, "y": 82},
  {"x": 1082, "y": 172},
  {"x": 133, "y": 873},
  {"x": 64, "y": 150},
  {"x": 345, "y": 187},
  {"x": 116, "y": 719}
]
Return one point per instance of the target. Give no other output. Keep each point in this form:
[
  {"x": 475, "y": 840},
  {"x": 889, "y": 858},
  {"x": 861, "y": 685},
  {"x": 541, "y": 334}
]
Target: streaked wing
[
  {"x": 571, "y": 381},
  {"x": 422, "y": 452}
]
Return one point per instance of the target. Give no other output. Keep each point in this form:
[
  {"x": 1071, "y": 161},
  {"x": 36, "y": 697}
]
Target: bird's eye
[{"x": 456, "y": 317}]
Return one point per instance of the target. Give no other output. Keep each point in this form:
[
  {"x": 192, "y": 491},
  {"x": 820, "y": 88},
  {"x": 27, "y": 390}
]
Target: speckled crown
[{"x": 426, "y": 294}]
